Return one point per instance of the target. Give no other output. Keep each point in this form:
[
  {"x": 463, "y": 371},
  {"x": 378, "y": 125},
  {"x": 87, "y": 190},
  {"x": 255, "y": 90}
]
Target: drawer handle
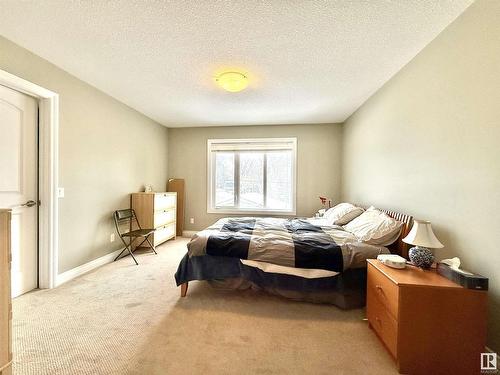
[
  {"x": 379, "y": 321},
  {"x": 380, "y": 289}
]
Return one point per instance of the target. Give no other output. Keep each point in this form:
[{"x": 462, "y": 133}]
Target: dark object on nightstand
[
  {"x": 473, "y": 281},
  {"x": 421, "y": 257}
]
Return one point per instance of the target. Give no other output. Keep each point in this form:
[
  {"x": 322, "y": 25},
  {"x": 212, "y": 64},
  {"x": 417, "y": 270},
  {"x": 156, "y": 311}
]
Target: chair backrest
[{"x": 125, "y": 220}]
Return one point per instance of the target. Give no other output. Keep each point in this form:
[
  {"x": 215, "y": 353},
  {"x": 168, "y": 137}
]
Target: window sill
[{"x": 251, "y": 212}]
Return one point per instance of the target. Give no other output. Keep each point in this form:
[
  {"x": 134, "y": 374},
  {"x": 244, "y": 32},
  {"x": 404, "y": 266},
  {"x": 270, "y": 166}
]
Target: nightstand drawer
[
  {"x": 383, "y": 323},
  {"x": 386, "y": 292}
]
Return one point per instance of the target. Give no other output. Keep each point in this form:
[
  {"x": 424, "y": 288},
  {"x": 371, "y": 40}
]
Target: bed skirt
[{"x": 346, "y": 290}]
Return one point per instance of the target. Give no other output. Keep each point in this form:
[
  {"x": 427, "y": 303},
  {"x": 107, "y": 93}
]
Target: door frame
[{"x": 48, "y": 175}]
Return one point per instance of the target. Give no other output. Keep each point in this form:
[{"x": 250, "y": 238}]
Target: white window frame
[{"x": 211, "y": 177}]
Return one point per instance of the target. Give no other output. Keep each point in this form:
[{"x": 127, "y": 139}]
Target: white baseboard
[
  {"x": 189, "y": 233},
  {"x": 87, "y": 267}
]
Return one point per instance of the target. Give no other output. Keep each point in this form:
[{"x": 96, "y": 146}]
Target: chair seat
[{"x": 138, "y": 233}]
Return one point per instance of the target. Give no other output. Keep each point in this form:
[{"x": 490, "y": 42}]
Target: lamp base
[{"x": 421, "y": 257}]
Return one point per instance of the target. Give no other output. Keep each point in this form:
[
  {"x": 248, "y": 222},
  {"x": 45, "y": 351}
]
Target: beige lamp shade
[{"x": 421, "y": 234}]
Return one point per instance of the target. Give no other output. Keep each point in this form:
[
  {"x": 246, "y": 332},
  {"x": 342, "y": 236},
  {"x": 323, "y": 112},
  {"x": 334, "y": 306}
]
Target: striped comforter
[{"x": 286, "y": 242}]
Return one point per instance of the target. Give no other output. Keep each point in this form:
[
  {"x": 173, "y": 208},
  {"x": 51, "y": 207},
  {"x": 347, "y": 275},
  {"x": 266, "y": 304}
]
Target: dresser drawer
[
  {"x": 163, "y": 217},
  {"x": 383, "y": 323},
  {"x": 164, "y": 233},
  {"x": 164, "y": 201},
  {"x": 384, "y": 290}
]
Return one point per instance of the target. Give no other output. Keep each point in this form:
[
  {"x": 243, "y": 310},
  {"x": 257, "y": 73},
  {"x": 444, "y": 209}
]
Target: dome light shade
[{"x": 232, "y": 81}]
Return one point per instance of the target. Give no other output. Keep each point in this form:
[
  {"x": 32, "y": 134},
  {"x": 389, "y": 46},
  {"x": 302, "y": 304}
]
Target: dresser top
[{"x": 414, "y": 276}]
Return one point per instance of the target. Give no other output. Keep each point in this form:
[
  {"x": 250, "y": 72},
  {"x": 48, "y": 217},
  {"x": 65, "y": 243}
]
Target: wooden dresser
[
  {"x": 177, "y": 185},
  {"x": 156, "y": 210},
  {"x": 429, "y": 324},
  {"x": 5, "y": 298}
]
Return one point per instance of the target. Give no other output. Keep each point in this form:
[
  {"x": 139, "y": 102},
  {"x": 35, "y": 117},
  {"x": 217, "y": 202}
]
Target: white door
[{"x": 18, "y": 183}]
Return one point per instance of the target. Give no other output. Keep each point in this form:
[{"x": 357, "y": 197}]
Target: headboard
[{"x": 399, "y": 247}]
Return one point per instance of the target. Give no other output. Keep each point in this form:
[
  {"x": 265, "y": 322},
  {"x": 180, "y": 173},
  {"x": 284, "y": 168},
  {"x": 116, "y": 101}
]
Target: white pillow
[
  {"x": 375, "y": 227},
  {"x": 388, "y": 239},
  {"x": 342, "y": 213}
]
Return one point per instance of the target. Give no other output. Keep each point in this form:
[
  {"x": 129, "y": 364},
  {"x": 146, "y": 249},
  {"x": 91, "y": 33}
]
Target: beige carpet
[{"x": 127, "y": 319}]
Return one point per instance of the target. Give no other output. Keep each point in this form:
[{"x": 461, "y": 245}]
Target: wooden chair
[{"x": 128, "y": 219}]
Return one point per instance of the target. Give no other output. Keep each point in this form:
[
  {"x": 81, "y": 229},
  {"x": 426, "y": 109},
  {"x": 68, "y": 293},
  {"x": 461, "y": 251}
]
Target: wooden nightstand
[{"x": 429, "y": 324}]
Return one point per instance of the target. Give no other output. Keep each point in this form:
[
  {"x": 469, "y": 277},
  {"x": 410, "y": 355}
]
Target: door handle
[{"x": 29, "y": 203}]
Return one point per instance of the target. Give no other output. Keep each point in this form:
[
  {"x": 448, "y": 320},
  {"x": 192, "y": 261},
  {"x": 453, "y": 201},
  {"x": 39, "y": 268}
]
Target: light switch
[{"x": 60, "y": 192}]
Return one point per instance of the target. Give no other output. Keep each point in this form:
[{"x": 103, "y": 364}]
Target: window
[{"x": 251, "y": 175}]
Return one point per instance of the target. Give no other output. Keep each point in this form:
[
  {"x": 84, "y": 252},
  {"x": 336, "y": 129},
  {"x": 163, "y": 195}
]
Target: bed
[{"x": 300, "y": 259}]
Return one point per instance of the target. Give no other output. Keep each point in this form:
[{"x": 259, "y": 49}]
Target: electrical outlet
[
  {"x": 112, "y": 237},
  {"x": 191, "y": 220}
]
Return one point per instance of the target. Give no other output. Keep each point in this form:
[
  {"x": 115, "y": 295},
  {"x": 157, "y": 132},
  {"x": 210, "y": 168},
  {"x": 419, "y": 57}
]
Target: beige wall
[
  {"x": 107, "y": 150},
  {"x": 428, "y": 143},
  {"x": 318, "y": 163}
]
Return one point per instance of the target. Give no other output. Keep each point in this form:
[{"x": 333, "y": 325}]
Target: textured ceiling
[{"x": 307, "y": 61}]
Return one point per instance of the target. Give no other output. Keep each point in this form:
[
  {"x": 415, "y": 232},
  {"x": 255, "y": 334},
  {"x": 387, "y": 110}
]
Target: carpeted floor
[{"x": 127, "y": 319}]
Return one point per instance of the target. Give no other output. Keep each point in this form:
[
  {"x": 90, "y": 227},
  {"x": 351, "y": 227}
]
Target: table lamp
[{"x": 422, "y": 236}]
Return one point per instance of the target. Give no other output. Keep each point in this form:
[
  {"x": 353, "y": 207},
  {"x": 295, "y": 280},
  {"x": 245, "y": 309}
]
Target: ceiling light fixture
[{"x": 232, "y": 81}]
